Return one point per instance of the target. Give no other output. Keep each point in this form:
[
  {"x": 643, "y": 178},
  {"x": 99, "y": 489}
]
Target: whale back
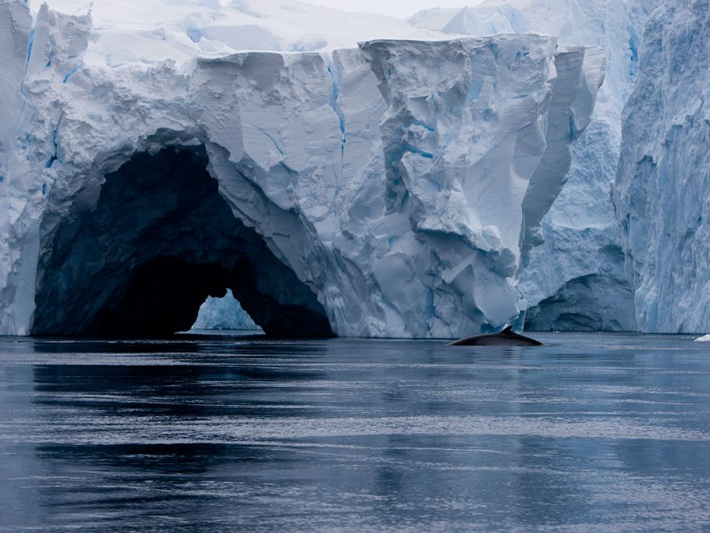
[{"x": 507, "y": 337}]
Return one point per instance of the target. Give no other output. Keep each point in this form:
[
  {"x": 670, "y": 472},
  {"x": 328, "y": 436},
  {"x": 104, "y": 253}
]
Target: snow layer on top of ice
[{"x": 151, "y": 31}]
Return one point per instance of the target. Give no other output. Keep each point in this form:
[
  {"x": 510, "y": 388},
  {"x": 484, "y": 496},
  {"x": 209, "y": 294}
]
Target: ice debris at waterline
[{"x": 380, "y": 191}]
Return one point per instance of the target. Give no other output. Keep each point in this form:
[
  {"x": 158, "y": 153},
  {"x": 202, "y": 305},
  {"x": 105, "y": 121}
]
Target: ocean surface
[{"x": 590, "y": 432}]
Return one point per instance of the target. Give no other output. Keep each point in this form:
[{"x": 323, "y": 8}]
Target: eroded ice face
[{"x": 395, "y": 183}]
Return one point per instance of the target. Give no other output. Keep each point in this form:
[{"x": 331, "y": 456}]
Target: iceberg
[
  {"x": 386, "y": 190},
  {"x": 223, "y": 313},
  {"x": 575, "y": 278},
  {"x": 661, "y": 190}
]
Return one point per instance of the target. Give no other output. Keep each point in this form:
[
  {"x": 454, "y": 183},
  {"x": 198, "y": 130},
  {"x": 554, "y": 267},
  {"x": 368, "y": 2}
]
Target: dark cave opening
[{"x": 158, "y": 242}]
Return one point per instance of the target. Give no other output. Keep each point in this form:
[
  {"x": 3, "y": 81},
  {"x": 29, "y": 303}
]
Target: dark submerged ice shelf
[{"x": 591, "y": 432}]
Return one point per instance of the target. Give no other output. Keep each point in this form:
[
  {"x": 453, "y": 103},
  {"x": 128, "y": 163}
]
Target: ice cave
[{"x": 159, "y": 240}]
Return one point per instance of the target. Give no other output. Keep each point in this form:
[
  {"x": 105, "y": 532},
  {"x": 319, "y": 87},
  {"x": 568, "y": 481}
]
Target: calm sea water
[{"x": 590, "y": 432}]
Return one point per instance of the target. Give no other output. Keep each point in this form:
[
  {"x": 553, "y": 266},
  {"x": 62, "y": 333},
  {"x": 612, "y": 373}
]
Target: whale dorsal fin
[{"x": 508, "y": 329}]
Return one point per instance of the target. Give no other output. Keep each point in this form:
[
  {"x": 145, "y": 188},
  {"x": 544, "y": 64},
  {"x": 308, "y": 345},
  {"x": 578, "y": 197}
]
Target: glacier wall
[
  {"x": 576, "y": 277},
  {"x": 382, "y": 191},
  {"x": 19, "y": 234},
  {"x": 662, "y": 191}
]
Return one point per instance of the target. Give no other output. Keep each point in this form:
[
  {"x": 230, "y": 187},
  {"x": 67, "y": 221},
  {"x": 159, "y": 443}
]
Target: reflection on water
[{"x": 218, "y": 434}]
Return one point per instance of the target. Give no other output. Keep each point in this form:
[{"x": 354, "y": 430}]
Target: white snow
[
  {"x": 394, "y": 182},
  {"x": 152, "y": 31}
]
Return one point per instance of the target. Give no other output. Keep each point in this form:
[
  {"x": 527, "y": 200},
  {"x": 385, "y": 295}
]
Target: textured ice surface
[
  {"x": 19, "y": 233},
  {"x": 223, "y": 314},
  {"x": 577, "y": 278},
  {"x": 662, "y": 191},
  {"x": 379, "y": 191}
]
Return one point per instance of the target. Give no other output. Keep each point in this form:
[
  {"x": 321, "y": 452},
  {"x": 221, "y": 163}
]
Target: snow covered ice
[{"x": 382, "y": 190}]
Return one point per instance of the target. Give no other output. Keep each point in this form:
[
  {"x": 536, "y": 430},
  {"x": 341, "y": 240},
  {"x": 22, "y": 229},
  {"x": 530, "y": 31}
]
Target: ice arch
[{"x": 158, "y": 241}]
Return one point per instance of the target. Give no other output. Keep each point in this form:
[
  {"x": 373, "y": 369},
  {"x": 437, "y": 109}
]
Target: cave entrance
[{"x": 158, "y": 242}]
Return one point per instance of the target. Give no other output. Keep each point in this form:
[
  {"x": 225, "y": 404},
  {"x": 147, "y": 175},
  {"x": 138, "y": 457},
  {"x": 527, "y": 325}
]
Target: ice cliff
[
  {"x": 385, "y": 190},
  {"x": 576, "y": 279},
  {"x": 662, "y": 192}
]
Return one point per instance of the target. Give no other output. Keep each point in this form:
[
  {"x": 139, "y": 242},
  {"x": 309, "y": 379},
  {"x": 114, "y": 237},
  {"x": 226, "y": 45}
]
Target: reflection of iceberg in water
[{"x": 224, "y": 314}]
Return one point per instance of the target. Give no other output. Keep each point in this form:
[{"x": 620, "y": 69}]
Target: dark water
[{"x": 224, "y": 434}]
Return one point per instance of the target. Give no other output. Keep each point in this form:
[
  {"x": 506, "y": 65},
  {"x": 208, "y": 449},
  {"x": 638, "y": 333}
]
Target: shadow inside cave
[{"x": 159, "y": 241}]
